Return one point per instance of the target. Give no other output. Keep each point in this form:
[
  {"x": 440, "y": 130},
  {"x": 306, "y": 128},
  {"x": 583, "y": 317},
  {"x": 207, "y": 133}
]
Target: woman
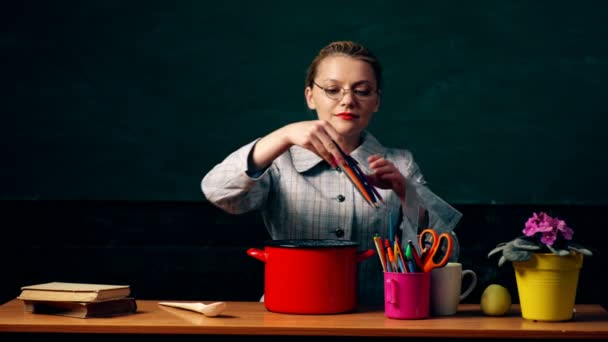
[{"x": 293, "y": 175}]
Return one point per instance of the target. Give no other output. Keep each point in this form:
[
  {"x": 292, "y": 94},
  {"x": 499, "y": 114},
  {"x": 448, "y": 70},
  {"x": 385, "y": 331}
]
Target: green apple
[{"x": 495, "y": 300}]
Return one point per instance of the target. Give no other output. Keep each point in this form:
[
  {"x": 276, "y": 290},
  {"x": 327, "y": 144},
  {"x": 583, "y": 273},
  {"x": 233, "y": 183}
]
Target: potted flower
[{"x": 547, "y": 266}]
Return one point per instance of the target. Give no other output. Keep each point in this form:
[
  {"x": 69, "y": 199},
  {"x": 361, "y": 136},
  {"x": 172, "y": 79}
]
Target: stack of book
[{"x": 78, "y": 299}]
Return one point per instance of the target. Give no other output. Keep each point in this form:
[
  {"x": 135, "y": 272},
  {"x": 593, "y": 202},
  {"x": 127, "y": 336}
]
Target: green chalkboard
[{"x": 500, "y": 101}]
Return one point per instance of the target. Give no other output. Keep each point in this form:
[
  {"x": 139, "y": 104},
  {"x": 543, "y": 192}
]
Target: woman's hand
[
  {"x": 386, "y": 175},
  {"x": 317, "y": 136}
]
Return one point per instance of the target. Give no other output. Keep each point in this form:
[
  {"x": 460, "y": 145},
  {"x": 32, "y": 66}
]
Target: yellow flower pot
[{"x": 546, "y": 285}]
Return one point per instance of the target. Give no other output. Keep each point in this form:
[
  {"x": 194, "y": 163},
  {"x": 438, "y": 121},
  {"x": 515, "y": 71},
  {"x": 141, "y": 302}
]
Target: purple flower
[
  {"x": 567, "y": 232},
  {"x": 548, "y": 238},
  {"x": 548, "y": 227}
]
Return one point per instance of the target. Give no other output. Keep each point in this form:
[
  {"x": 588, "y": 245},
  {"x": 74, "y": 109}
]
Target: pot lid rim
[{"x": 311, "y": 243}]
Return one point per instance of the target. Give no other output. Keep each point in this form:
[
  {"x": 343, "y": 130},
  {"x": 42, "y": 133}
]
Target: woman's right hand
[{"x": 317, "y": 136}]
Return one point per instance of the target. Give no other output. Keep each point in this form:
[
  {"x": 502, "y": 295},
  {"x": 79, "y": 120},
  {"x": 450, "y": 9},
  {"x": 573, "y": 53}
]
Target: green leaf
[
  {"x": 502, "y": 260},
  {"x": 513, "y": 253},
  {"x": 580, "y": 249},
  {"x": 497, "y": 249},
  {"x": 525, "y": 244},
  {"x": 560, "y": 252}
]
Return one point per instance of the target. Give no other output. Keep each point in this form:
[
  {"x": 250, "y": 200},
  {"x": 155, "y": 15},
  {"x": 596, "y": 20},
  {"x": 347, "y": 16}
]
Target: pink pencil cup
[{"x": 407, "y": 295}]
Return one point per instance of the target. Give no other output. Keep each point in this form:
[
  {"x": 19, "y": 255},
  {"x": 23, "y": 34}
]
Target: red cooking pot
[{"x": 310, "y": 276}]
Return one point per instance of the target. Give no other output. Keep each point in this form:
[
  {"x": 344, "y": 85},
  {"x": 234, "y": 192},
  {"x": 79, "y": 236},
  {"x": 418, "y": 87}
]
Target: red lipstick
[{"x": 346, "y": 116}]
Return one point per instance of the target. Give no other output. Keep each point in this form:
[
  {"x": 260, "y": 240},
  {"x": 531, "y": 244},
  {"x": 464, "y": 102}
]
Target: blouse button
[
  {"x": 341, "y": 198},
  {"x": 339, "y": 232}
]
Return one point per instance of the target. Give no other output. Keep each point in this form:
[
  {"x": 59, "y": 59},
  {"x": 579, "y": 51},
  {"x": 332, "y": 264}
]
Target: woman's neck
[{"x": 351, "y": 143}]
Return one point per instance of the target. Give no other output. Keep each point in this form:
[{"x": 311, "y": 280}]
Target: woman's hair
[{"x": 349, "y": 49}]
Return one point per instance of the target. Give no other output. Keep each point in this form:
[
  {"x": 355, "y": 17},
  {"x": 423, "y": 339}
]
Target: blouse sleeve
[{"x": 231, "y": 187}]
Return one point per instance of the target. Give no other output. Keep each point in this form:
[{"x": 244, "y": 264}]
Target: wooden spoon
[{"x": 211, "y": 310}]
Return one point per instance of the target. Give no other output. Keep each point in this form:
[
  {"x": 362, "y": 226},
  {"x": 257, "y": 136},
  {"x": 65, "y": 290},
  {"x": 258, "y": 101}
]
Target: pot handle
[
  {"x": 365, "y": 255},
  {"x": 257, "y": 253}
]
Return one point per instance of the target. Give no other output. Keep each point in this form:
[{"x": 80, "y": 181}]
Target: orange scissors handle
[
  {"x": 426, "y": 241},
  {"x": 439, "y": 251}
]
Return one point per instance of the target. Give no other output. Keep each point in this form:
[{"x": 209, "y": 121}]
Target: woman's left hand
[{"x": 386, "y": 175}]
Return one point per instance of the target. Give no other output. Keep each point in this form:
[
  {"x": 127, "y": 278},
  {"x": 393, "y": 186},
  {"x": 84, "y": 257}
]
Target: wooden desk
[{"x": 252, "y": 318}]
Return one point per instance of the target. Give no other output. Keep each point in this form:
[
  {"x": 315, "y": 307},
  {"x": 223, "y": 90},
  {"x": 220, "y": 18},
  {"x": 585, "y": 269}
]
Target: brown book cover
[
  {"x": 74, "y": 292},
  {"x": 106, "y": 308}
]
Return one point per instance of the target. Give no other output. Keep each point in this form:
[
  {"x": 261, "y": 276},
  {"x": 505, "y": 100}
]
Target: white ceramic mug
[{"x": 446, "y": 288}]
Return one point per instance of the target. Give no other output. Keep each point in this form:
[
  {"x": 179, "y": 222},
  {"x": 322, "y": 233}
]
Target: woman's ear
[
  {"x": 377, "y": 102},
  {"x": 310, "y": 101}
]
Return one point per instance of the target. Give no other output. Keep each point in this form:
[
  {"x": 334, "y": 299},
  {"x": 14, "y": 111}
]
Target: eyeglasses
[{"x": 337, "y": 93}]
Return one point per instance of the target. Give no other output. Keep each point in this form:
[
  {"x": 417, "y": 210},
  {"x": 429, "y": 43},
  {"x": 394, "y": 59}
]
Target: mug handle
[
  {"x": 471, "y": 285},
  {"x": 392, "y": 291}
]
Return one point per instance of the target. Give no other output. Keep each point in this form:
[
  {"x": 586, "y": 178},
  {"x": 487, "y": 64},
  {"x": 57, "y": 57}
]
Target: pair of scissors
[
  {"x": 436, "y": 249},
  {"x": 359, "y": 180}
]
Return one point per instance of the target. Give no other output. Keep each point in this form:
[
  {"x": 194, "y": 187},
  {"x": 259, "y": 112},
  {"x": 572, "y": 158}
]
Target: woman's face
[{"x": 350, "y": 111}]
